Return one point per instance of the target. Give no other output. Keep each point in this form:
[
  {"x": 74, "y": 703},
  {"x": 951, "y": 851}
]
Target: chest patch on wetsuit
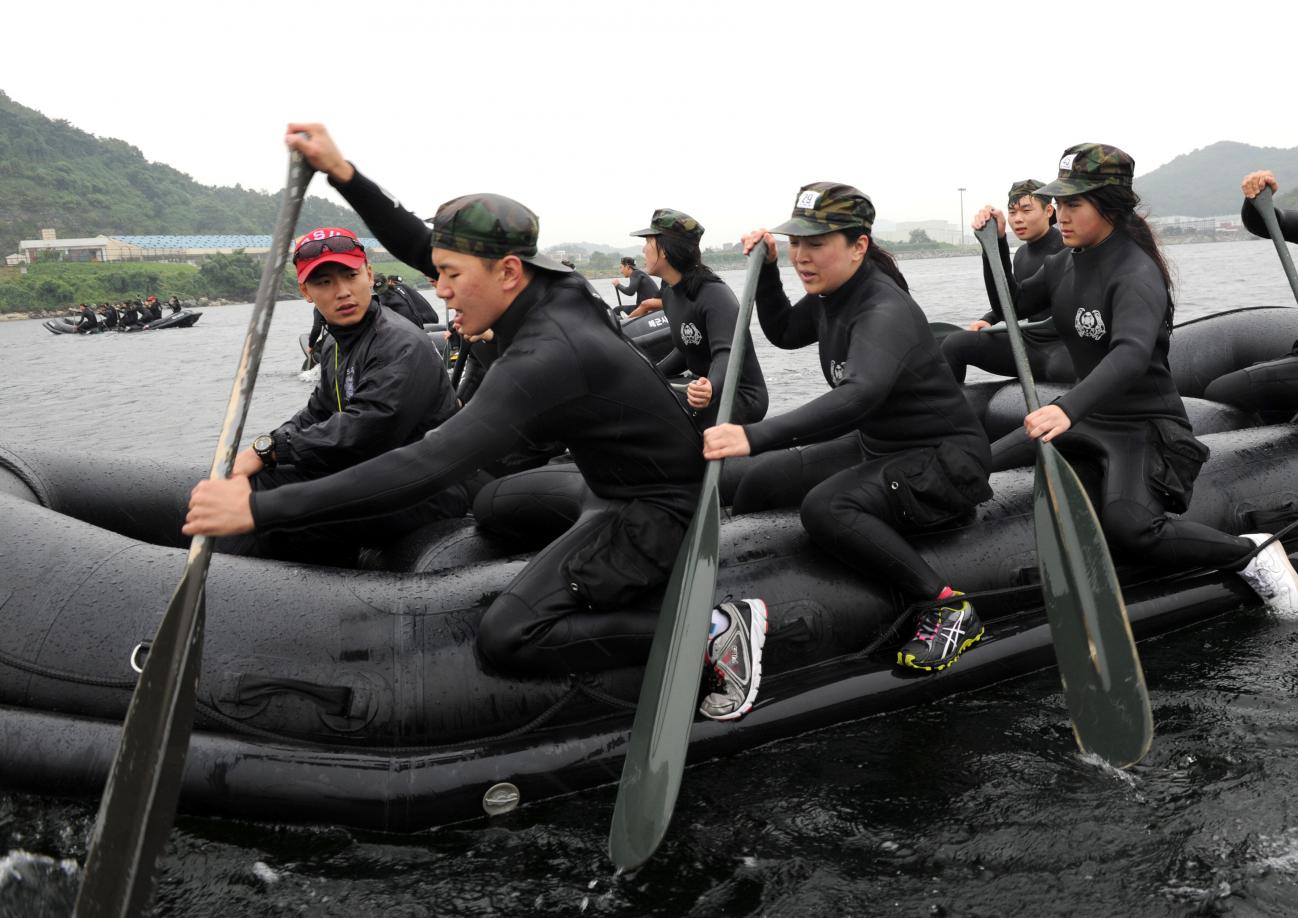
[
  {"x": 690, "y": 334},
  {"x": 1089, "y": 324},
  {"x": 836, "y": 370},
  {"x": 349, "y": 383}
]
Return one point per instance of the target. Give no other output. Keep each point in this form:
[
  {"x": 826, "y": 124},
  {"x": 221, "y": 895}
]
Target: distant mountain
[
  {"x": 1205, "y": 183},
  {"x": 585, "y": 248},
  {"x": 55, "y": 175}
]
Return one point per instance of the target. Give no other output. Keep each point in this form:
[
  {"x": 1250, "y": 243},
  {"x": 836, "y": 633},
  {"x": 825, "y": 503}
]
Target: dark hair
[
  {"x": 628, "y": 261},
  {"x": 1117, "y": 204},
  {"x": 684, "y": 255},
  {"x": 1044, "y": 200},
  {"x": 876, "y": 253}
]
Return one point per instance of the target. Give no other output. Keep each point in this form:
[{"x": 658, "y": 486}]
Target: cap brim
[
  {"x": 647, "y": 231},
  {"x": 801, "y": 226},
  {"x": 548, "y": 264},
  {"x": 1063, "y": 188},
  {"x": 353, "y": 259}
]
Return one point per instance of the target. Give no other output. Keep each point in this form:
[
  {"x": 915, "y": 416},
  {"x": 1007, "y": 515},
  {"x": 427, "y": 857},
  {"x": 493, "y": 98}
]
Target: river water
[{"x": 977, "y": 806}]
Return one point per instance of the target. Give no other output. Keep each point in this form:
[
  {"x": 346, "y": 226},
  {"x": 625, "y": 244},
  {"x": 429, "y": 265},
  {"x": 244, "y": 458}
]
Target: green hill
[
  {"x": 54, "y": 175},
  {"x": 1205, "y": 183}
]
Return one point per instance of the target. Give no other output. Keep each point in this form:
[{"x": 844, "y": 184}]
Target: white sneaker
[{"x": 1272, "y": 577}]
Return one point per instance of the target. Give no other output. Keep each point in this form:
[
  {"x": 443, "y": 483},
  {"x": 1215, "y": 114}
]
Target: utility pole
[{"x": 962, "y": 191}]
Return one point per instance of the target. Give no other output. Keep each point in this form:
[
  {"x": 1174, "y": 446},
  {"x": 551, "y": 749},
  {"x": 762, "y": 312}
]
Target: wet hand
[
  {"x": 487, "y": 335},
  {"x": 219, "y": 508},
  {"x": 977, "y": 324},
  {"x": 724, "y": 441},
  {"x": 1046, "y": 423},
  {"x": 987, "y": 213},
  {"x": 319, "y": 149},
  {"x": 750, "y": 241},
  {"x": 247, "y": 463},
  {"x": 699, "y": 393},
  {"x": 1254, "y": 182}
]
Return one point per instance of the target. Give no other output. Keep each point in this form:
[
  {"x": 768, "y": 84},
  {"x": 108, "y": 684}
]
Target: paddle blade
[
  {"x": 139, "y": 800},
  {"x": 1104, "y": 684},
  {"x": 655, "y": 759}
]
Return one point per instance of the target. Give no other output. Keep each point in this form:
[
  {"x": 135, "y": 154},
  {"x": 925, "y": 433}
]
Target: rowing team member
[
  {"x": 914, "y": 457},
  {"x": 638, "y": 284}
]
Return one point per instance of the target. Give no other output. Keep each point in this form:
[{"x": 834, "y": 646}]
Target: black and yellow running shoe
[{"x": 942, "y": 635}]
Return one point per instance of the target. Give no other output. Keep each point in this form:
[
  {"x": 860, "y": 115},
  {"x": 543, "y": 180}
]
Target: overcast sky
[{"x": 595, "y": 113}]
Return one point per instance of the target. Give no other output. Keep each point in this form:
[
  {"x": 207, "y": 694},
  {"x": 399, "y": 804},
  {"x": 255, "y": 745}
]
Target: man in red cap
[{"x": 382, "y": 385}]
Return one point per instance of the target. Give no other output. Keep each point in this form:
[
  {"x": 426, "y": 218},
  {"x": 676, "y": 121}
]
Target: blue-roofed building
[{"x": 190, "y": 249}]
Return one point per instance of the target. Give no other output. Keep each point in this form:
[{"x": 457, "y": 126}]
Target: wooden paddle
[
  {"x": 139, "y": 802},
  {"x": 669, "y": 695},
  {"x": 1266, "y": 207},
  {"x": 1104, "y": 684}
]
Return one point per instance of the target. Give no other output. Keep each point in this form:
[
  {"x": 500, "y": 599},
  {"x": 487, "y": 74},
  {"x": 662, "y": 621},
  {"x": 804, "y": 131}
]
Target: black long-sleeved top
[
  {"x": 564, "y": 373},
  {"x": 381, "y": 386},
  {"x": 317, "y": 327},
  {"x": 1028, "y": 259},
  {"x": 703, "y": 330},
  {"x": 888, "y": 378},
  {"x": 641, "y": 285},
  {"x": 418, "y": 310},
  {"x": 1113, "y": 312},
  {"x": 1288, "y": 220},
  {"x": 110, "y": 317}
]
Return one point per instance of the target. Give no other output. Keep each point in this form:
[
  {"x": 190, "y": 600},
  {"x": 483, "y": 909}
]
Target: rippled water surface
[{"x": 979, "y": 805}]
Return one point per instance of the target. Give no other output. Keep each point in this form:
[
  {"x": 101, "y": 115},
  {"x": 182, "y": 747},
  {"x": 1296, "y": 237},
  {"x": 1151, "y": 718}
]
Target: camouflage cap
[
  {"x": 1026, "y": 187},
  {"x": 490, "y": 226},
  {"x": 1088, "y": 166},
  {"x": 672, "y": 222},
  {"x": 825, "y": 207}
]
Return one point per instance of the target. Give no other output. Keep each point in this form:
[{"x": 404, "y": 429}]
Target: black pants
[
  {"x": 1111, "y": 459},
  {"x": 990, "y": 350},
  {"x": 1269, "y": 388},
  {"x": 784, "y": 477},
  {"x": 590, "y": 599},
  {"x": 337, "y": 544}
]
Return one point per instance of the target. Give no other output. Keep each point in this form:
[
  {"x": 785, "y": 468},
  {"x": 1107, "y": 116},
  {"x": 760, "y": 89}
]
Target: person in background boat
[
  {"x": 88, "y": 321},
  {"x": 405, "y": 301},
  {"x": 174, "y": 303},
  {"x": 1032, "y": 217},
  {"x": 1269, "y": 388},
  {"x": 381, "y": 386},
  {"x": 1110, "y": 294},
  {"x": 110, "y": 316},
  {"x": 701, "y": 311},
  {"x": 917, "y": 456},
  {"x": 639, "y": 285},
  {"x": 589, "y": 600},
  {"x": 152, "y": 310},
  {"x": 131, "y": 314}
]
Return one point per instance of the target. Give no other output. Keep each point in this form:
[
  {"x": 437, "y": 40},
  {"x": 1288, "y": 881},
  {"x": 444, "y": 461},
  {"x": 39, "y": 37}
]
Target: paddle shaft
[
  {"x": 1266, "y": 207},
  {"x": 660, "y": 735},
  {"x": 139, "y": 802}
]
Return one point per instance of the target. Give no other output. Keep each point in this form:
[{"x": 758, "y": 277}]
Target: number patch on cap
[{"x": 808, "y": 199}]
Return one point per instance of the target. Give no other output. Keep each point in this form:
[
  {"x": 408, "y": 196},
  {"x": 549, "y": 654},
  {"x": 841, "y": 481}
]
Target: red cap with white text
[{"x": 324, "y": 245}]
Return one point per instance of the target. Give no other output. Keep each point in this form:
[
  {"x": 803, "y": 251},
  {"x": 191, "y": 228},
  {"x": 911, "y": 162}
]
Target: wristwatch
[{"x": 264, "y": 447}]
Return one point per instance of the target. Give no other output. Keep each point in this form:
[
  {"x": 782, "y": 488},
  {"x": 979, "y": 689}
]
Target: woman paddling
[
  {"x": 920, "y": 456},
  {"x": 1110, "y": 296},
  {"x": 702, "y": 311}
]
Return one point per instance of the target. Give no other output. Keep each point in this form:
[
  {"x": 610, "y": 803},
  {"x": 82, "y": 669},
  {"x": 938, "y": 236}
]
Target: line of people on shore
[{"x": 891, "y": 450}]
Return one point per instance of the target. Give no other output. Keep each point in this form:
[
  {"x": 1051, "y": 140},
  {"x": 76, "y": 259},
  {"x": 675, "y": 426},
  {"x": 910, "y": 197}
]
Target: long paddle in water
[
  {"x": 1104, "y": 684},
  {"x": 139, "y": 802},
  {"x": 660, "y": 735},
  {"x": 1266, "y": 207}
]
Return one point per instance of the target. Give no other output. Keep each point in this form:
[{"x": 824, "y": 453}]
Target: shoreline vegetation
[{"x": 55, "y": 288}]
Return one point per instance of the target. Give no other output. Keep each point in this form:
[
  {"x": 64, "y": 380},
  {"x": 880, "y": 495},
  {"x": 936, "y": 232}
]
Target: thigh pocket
[
  {"x": 630, "y": 552},
  {"x": 1172, "y": 462},
  {"x": 933, "y": 486}
]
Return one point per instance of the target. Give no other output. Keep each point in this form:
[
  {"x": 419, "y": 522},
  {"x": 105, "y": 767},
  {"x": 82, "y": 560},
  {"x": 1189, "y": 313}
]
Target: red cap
[{"x": 353, "y": 258}]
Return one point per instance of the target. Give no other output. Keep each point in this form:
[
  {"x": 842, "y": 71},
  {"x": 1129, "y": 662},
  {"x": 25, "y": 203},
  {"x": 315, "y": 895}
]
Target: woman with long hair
[
  {"x": 915, "y": 457},
  {"x": 1110, "y": 294},
  {"x": 702, "y": 312}
]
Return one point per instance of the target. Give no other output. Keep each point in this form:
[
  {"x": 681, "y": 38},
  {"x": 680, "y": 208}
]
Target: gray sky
[{"x": 595, "y": 113}]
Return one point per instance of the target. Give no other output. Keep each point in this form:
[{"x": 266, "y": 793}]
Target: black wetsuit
[
  {"x": 916, "y": 456},
  {"x": 110, "y": 317},
  {"x": 151, "y": 312},
  {"x": 640, "y": 284},
  {"x": 88, "y": 322},
  {"x": 1114, "y": 313},
  {"x": 175, "y": 306},
  {"x": 381, "y": 386},
  {"x": 564, "y": 373},
  {"x": 131, "y": 316},
  {"x": 989, "y": 348},
  {"x": 703, "y": 330},
  {"x": 1271, "y": 387},
  {"x": 317, "y": 327},
  {"x": 406, "y": 301}
]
